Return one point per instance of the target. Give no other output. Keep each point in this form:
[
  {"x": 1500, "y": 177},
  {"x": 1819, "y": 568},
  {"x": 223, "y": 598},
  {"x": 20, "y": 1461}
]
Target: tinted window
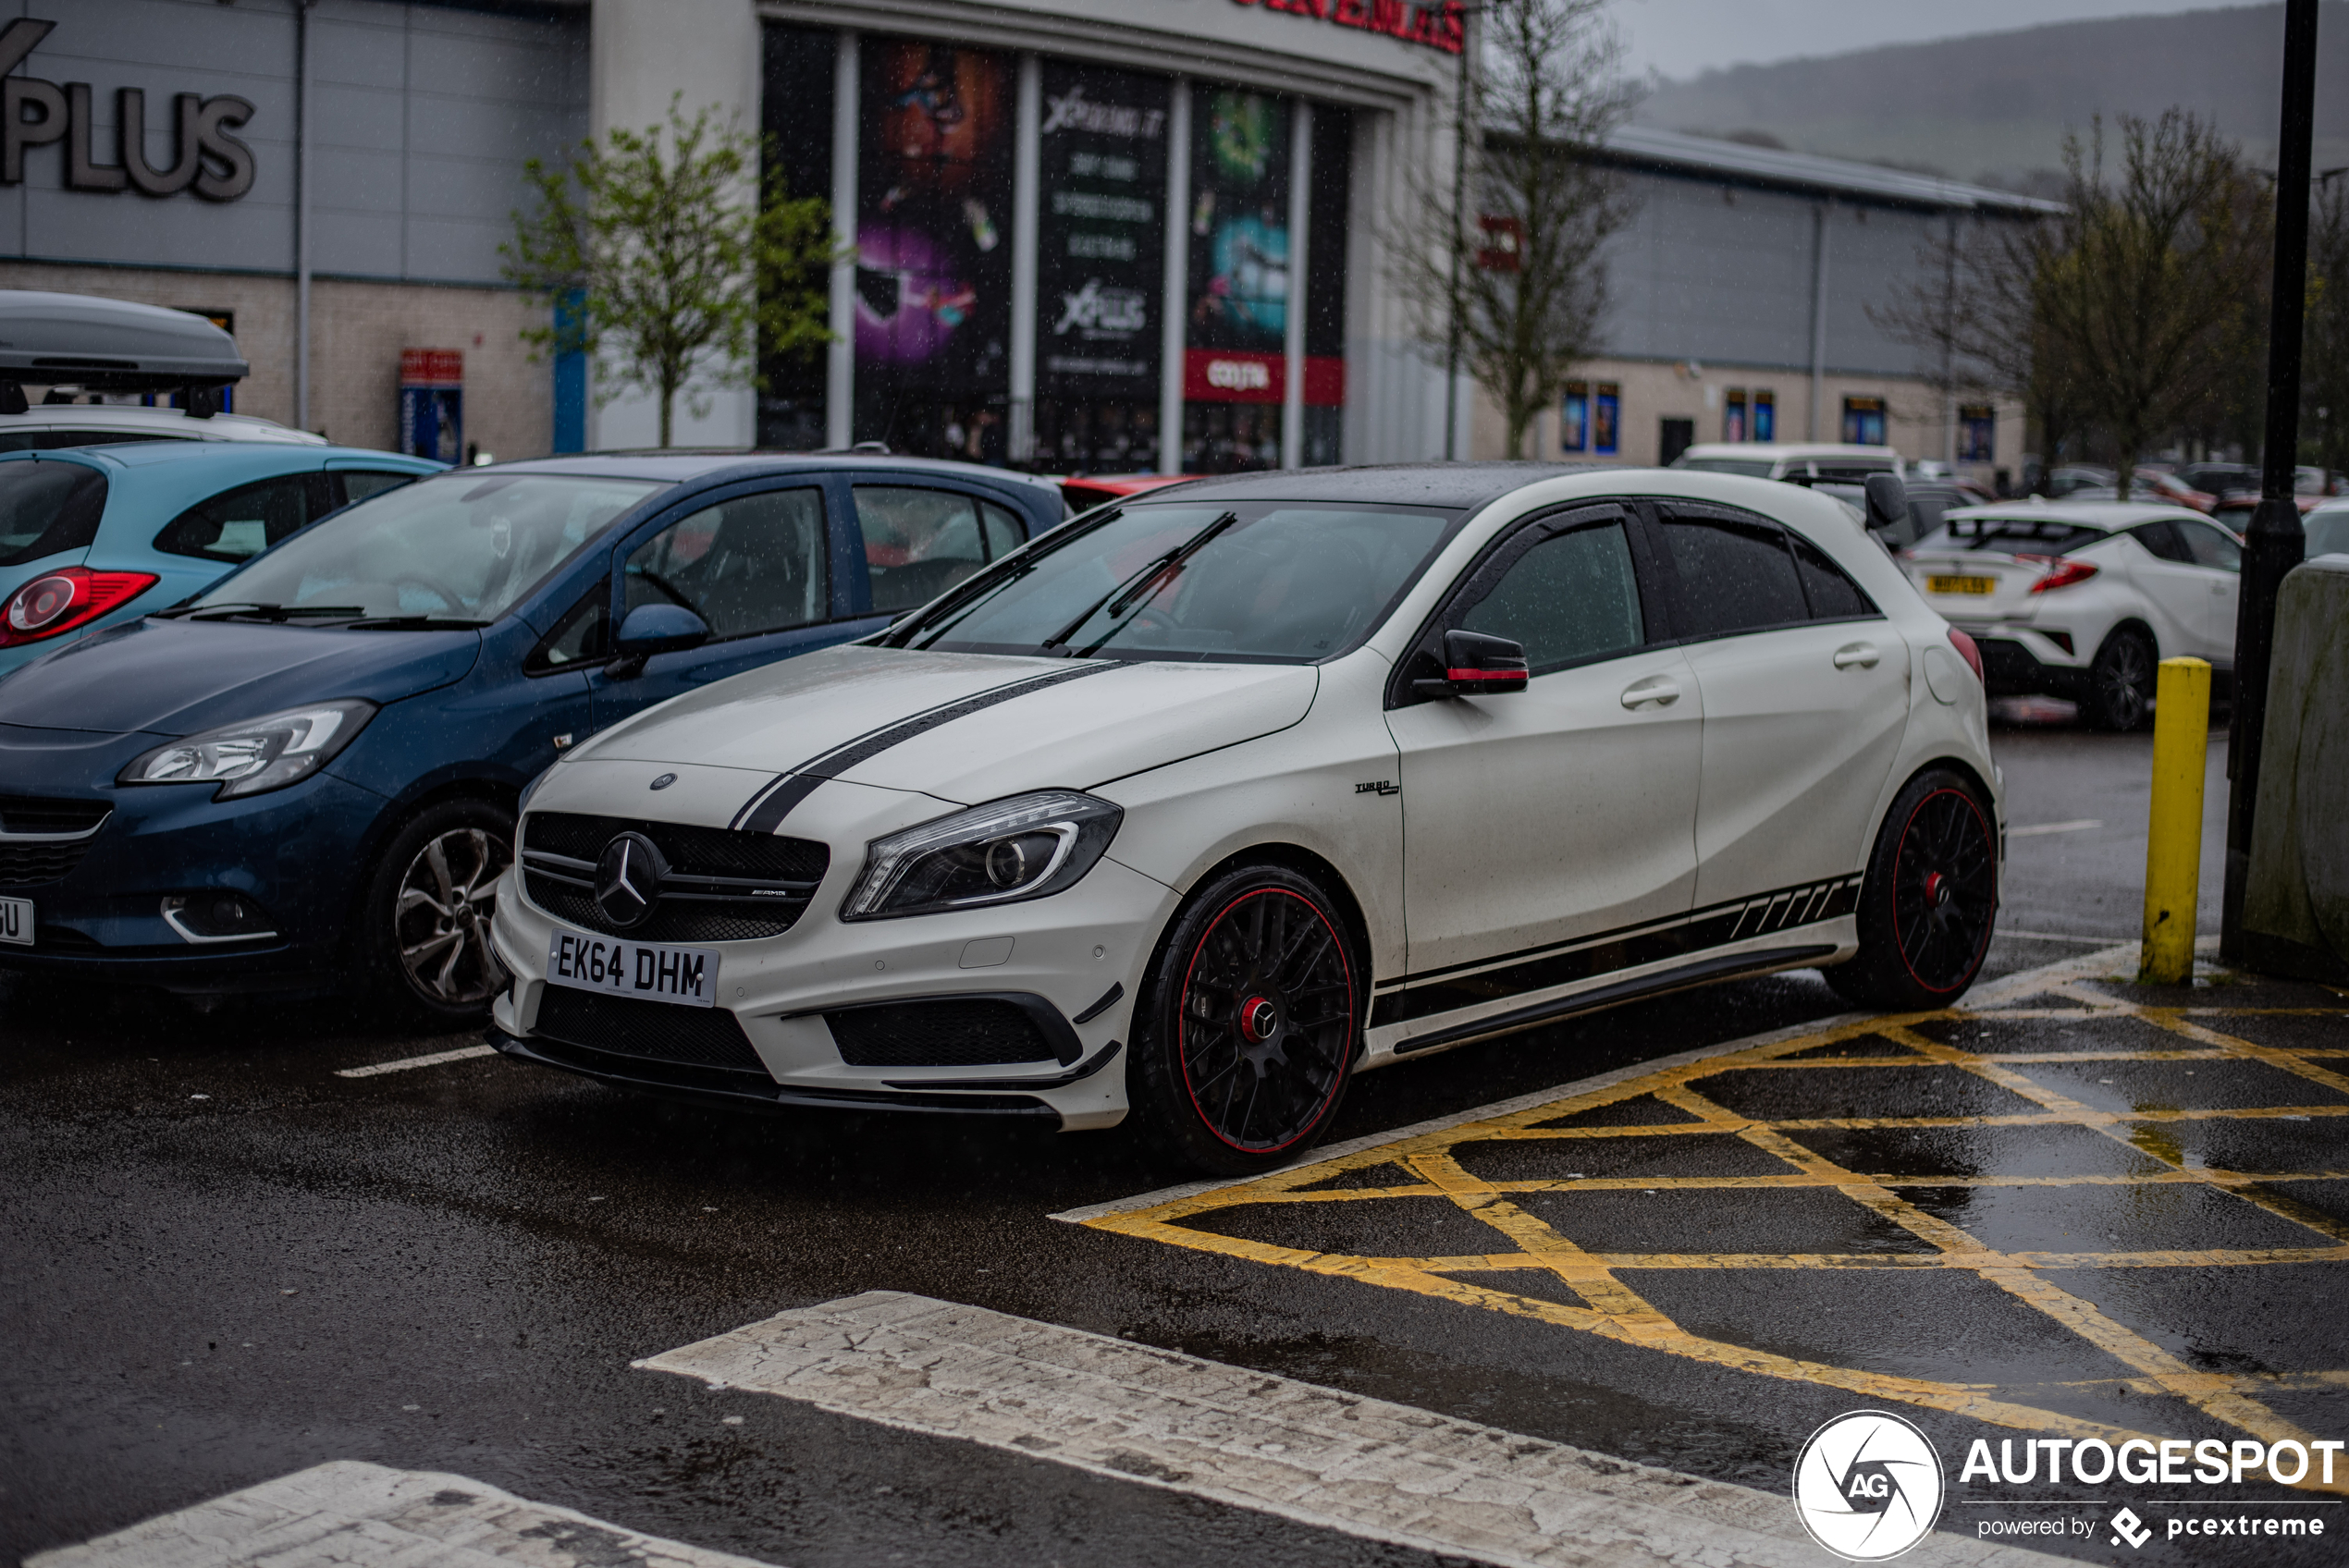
[
  {"x": 1734, "y": 577},
  {"x": 358, "y": 483},
  {"x": 579, "y": 637},
  {"x": 2207, "y": 546},
  {"x": 745, "y": 565},
  {"x": 45, "y": 508},
  {"x": 1004, "y": 533},
  {"x": 1749, "y": 468},
  {"x": 1833, "y": 595},
  {"x": 2161, "y": 537},
  {"x": 241, "y": 523},
  {"x": 1256, "y": 580},
  {"x": 2013, "y": 536},
  {"x": 51, "y": 440},
  {"x": 917, "y": 542},
  {"x": 458, "y": 547},
  {"x": 1570, "y": 597}
]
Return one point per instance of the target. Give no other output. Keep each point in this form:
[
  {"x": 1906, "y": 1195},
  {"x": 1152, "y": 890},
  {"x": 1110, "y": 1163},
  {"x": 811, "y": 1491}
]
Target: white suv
[{"x": 2081, "y": 599}]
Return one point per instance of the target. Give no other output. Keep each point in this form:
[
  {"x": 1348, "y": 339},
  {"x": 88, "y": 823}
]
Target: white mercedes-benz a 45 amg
[{"x": 1201, "y": 803}]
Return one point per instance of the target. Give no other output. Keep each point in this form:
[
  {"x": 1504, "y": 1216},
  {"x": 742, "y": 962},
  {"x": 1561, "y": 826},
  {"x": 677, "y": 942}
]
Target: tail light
[
  {"x": 56, "y": 602},
  {"x": 1971, "y": 651},
  {"x": 2063, "y": 571}
]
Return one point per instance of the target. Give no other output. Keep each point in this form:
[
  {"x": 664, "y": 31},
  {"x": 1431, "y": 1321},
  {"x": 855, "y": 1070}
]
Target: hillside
[{"x": 1995, "y": 106}]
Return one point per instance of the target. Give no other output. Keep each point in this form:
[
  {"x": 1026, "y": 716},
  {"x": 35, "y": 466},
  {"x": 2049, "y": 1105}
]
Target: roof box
[{"x": 110, "y": 345}]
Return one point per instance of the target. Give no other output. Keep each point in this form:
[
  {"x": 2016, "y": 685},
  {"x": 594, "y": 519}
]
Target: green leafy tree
[{"x": 660, "y": 255}]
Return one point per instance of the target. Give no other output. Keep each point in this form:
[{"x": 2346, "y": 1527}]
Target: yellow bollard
[{"x": 2173, "y": 836}]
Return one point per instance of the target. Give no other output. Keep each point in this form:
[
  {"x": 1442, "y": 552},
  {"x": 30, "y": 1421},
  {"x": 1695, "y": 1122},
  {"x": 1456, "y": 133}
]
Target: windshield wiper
[
  {"x": 413, "y": 623},
  {"x": 1139, "y": 587},
  {"x": 270, "y": 612}
]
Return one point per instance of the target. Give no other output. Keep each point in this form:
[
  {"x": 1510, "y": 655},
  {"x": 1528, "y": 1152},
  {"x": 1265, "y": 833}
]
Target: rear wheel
[
  {"x": 1249, "y": 1023},
  {"x": 1929, "y": 901},
  {"x": 429, "y": 909},
  {"x": 2121, "y": 681}
]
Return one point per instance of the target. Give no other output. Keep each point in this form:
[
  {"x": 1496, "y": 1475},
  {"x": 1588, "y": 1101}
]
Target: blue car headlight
[
  {"x": 258, "y": 755},
  {"x": 1027, "y": 847}
]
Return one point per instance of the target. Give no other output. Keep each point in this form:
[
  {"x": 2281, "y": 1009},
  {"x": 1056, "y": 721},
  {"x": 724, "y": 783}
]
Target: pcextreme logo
[{"x": 1867, "y": 1485}]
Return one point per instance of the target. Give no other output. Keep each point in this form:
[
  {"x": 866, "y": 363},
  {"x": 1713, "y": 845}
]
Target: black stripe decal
[
  {"x": 1447, "y": 990},
  {"x": 765, "y": 811},
  {"x": 1612, "y": 995}
]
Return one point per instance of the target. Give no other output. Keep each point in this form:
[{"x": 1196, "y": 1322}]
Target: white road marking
[
  {"x": 2038, "y": 827},
  {"x": 2010, "y": 988},
  {"x": 1324, "y": 1458},
  {"x": 351, "y": 1515},
  {"x": 463, "y": 1054},
  {"x": 2059, "y": 936}
]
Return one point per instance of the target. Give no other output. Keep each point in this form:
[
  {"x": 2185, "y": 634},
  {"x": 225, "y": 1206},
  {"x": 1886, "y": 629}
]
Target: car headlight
[
  {"x": 1027, "y": 847},
  {"x": 258, "y": 755}
]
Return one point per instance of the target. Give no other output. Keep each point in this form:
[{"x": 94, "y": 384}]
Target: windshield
[
  {"x": 2013, "y": 536},
  {"x": 1258, "y": 581},
  {"x": 458, "y": 547},
  {"x": 1748, "y": 468}
]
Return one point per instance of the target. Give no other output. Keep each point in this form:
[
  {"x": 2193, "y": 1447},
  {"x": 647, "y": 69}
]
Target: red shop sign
[{"x": 1438, "y": 24}]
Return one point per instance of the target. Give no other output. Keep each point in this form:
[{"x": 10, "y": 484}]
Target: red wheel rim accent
[
  {"x": 1945, "y": 890},
  {"x": 1263, "y": 1026}
]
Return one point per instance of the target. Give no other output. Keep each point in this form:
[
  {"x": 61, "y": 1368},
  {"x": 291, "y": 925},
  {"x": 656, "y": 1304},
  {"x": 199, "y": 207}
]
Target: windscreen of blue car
[
  {"x": 1255, "y": 582},
  {"x": 47, "y": 508},
  {"x": 458, "y": 547}
]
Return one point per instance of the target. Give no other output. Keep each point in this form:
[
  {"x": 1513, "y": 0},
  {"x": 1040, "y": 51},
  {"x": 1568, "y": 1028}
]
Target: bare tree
[
  {"x": 668, "y": 263},
  {"x": 2139, "y": 285},
  {"x": 1521, "y": 233},
  {"x": 2325, "y": 339}
]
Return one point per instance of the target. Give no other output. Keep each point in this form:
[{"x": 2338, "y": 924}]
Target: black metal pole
[{"x": 2276, "y": 542}]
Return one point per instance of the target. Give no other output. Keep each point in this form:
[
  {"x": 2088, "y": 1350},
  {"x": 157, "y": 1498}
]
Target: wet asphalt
[{"x": 220, "y": 1263}]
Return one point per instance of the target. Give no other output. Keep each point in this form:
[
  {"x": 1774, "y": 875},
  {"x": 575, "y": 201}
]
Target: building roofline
[{"x": 1643, "y": 146}]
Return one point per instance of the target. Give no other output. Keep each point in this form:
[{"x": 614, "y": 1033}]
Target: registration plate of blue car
[
  {"x": 616, "y": 967},
  {"x": 16, "y": 921}
]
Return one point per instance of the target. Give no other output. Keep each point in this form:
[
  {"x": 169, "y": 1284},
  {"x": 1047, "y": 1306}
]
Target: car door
[
  {"x": 2219, "y": 558},
  {"x": 1805, "y": 686},
  {"x": 2176, "y": 591},
  {"x": 753, "y": 562},
  {"x": 921, "y": 539},
  {"x": 1534, "y": 818}
]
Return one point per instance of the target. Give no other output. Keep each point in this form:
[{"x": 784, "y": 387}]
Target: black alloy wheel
[
  {"x": 429, "y": 907},
  {"x": 1253, "y": 1017},
  {"x": 2121, "y": 682},
  {"x": 1930, "y": 900}
]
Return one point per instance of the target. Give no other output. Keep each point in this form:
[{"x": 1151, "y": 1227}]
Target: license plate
[
  {"x": 687, "y": 976},
  {"x": 1962, "y": 585},
  {"x": 16, "y": 921}
]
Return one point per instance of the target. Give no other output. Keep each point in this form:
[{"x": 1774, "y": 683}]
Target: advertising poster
[
  {"x": 1239, "y": 222},
  {"x": 933, "y": 247},
  {"x": 1101, "y": 244}
]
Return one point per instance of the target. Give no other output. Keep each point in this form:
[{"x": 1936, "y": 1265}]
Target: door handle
[
  {"x": 1861, "y": 654},
  {"x": 1658, "y": 689}
]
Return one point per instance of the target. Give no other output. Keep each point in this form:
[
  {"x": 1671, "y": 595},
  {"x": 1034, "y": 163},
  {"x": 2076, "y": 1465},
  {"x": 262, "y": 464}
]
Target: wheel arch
[
  {"x": 2132, "y": 622},
  {"x": 386, "y": 826},
  {"x": 1298, "y": 858}
]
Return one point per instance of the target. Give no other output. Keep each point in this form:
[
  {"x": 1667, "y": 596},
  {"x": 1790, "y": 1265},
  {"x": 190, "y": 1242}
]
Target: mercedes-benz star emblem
[{"x": 628, "y": 880}]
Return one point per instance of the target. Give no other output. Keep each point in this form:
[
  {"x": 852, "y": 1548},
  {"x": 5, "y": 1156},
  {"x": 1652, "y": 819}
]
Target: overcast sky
[{"x": 1681, "y": 38}]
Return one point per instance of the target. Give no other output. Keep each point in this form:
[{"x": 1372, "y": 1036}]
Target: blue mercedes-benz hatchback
[
  {"x": 307, "y": 774},
  {"x": 92, "y": 536}
]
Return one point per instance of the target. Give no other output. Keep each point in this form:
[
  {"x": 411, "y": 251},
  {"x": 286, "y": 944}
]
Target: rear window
[
  {"x": 51, "y": 440},
  {"x": 2013, "y": 536},
  {"x": 48, "y": 507},
  {"x": 1745, "y": 468}
]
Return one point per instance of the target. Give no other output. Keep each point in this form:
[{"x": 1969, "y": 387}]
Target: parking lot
[{"x": 1682, "y": 1234}]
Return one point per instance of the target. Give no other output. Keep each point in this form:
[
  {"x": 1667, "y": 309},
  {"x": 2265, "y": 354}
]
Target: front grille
[
  {"x": 26, "y": 814},
  {"x": 721, "y": 886},
  {"x": 30, "y": 864},
  {"x": 970, "y": 1032},
  {"x": 696, "y": 1037}
]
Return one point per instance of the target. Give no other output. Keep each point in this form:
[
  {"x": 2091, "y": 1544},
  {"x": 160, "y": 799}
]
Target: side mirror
[
  {"x": 654, "y": 628},
  {"x": 1888, "y": 502},
  {"x": 1476, "y": 665}
]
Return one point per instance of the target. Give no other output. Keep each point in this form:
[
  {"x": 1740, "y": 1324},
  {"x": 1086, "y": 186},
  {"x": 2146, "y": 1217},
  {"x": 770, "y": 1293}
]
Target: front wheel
[
  {"x": 1249, "y": 1023},
  {"x": 428, "y": 908},
  {"x": 1929, "y": 899}
]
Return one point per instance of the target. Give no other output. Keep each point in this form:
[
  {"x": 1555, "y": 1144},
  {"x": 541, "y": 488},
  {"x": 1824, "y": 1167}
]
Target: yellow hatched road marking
[{"x": 1529, "y": 1246}]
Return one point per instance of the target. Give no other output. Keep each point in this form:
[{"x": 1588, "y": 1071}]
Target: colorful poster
[
  {"x": 1574, "y": 417},
  {"x": 933, "y": 239},
  {"x": 1765, "y": 416},
  {"x": 1101, "y": 232},
  {"x": 1239, "y": 261}
]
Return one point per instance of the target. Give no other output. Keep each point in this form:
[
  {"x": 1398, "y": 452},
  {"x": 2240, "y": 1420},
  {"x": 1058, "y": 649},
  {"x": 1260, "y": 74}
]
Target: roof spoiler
[{"x": 112, "y": 346}]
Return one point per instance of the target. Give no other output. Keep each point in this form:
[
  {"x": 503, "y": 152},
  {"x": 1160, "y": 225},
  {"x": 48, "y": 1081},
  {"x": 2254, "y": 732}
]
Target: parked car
[
  {"x": 96, "y": 535},
  {"x": 307, "y": 774},
  {"x": 2062, "y": 482},
  {"x": 1202, "y": 803},
  {"x": 2328, "y": 529},
  {"x": 1789, "y": 460},
  {"x": 2220, "y": 480},
  {"x": 2081, "y": 599},
  {"x": 1084, "y": 492},
  {"x": 2153, "y": 483}
]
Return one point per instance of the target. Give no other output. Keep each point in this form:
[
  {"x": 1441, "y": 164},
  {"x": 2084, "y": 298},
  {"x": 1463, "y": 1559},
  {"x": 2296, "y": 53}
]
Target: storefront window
[
  {"x": 1977, "y": 434},
  {"x": 1864, "y": 421},
  {"x": 1765, "y": 416},
  {"x": 1733, "y": 415},
  {"x": 1234, "y": 373},
  {"x": 1574, "y": 417},
  {"x": 1100, "y": 268},
  {"x": 1606, "y": 418},
  {"x": 933, "y": 249}
]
